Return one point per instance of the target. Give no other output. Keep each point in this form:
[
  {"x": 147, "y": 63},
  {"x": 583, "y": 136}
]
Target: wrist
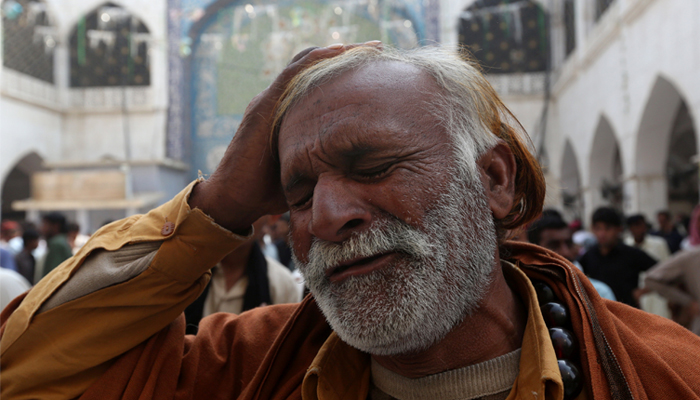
[{"x": 219, "y": 207}]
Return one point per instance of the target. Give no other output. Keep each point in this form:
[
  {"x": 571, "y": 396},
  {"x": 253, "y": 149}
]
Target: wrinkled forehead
[{"x": 385, "y": 87}]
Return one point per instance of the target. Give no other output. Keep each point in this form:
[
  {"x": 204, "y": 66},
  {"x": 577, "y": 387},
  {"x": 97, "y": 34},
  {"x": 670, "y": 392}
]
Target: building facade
[
  {"x": 84, "y": 100},
  {"x": 614, "y": 123}
]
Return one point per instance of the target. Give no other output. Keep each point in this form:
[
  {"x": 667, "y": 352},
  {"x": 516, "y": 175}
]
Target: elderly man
[{"x": 401, "y": 172}]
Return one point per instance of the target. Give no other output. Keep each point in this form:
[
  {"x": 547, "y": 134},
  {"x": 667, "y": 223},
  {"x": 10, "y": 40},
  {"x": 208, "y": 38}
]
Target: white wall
[
  {"x": 24, "y": 129},
  {"x": 611, "y": 74},
  {"x": 85, "y": 125}
]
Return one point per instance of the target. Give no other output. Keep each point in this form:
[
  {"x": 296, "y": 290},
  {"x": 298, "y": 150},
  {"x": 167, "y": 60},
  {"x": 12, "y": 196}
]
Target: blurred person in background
[
  {"x": 668, "y": 231},
  {"x": 76, "y": 240},
  {"x": 53, "y": 229},
  {"x": 654, "y": 246},
  {"x": 657, "y": 248},
  {"x": 281, "y": 241},
  {"x": 693, "y": 238},
  {"x": 8, "y": 233},
  {"x": 11, "y": 236},
  {"x": 581, "y": 237},
  {"x": 12, "y": 284},
  {"x": 7, "y": 259},
  {"x": 612, "y": 261},
  {"x": 678, "y": 280},
  {"x": 553, "y": 233},
  {"x": 266, "y": 236},
  {"x": 243, "y": 280},
  {"x": 26, "y": 263}
]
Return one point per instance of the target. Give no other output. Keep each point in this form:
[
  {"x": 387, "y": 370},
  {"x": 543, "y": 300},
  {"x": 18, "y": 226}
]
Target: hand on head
[{"x": 246, "y": 184}]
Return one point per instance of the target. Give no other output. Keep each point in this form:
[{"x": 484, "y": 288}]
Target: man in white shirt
[{"x": 232, "y": 289}]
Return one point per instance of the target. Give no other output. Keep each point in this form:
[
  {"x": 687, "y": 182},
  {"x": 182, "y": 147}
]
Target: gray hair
[{"x": 463, "y": 106}]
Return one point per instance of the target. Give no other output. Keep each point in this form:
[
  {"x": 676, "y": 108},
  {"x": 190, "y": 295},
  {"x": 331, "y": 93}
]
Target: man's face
[
  {"x": 559, "y": 241},
  {"x": 32, "y": 244},
  {"x": 48, "y": 229},
  {"x": 638, "y": 231},
  {"x": 606, "y": 234},
  {"x": 394, "y": 244},
  {"x": 663, "y": 220}
]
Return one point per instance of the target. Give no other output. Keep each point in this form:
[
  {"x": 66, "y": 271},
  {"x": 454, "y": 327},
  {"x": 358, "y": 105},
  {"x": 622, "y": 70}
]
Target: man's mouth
[{"x": 359, "y": 266}]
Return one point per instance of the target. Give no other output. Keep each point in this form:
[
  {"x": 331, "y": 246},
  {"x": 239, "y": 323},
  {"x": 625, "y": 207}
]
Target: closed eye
[
  {"x": 374, "y": 173},
  {"x": 304, "y": 202}
]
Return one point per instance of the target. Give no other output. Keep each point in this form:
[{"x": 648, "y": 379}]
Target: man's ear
[{"x": 497, "y": 167}]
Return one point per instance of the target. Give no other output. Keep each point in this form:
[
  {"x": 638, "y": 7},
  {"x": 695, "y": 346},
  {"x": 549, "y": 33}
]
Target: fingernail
[
  {"x": 373, "y": 42},
  {"x": 335, "y": 46}
]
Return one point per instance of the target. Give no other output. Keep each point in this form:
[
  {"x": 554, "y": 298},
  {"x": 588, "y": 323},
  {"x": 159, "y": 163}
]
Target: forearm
[
  {"x": 661, "y": 278},
  {"x": 79, "y": 318},
  {"x": 668, "y": 291}
]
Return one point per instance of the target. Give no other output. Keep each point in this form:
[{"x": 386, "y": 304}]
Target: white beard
[{"x": 441, "y": 275}]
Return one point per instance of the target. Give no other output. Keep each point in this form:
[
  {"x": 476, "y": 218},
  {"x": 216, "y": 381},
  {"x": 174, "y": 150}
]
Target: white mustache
[{"x": 388, "y": 235}]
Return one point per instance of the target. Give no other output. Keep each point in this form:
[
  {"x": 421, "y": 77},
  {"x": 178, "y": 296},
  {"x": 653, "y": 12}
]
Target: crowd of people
[
  {"x": 29, "y": 252},
  {"x": 627, "y": 261}
]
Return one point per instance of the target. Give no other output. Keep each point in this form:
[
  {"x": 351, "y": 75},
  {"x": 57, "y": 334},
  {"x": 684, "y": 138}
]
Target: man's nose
[{"x": 338, "y": 210}]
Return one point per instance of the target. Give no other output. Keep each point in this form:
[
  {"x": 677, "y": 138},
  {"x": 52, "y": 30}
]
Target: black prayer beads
[{"x": 556, "y": 316}]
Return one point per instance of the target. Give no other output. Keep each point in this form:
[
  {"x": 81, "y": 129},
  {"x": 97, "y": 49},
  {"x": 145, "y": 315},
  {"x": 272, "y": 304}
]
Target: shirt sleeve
[
  {"x": 57, "y": 351},
  {"x": 660, "y": 278},
  {"x": 644, "y": 260}
]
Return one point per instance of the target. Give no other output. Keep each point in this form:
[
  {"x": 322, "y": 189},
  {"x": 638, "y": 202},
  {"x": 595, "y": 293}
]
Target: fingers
[
  {"x": 312, "y": 54},
  {"x": 302, "y": 54},
  {"x": 303, "y": 60},
  {"x": 372, "y": 43}
]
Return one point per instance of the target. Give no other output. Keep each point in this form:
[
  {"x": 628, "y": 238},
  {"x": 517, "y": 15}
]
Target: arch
[
  {"x": 654, "y": 131},
  {"x": 30, "y": 38},
  {"x": 605, "y": 166},
  {"x": 109, "y": 47},
  {"x": 570, "y": 181},
  {"x": 16, "y": 185},
  {"x": 87, "y": 7},
  {"x": 666, "y": 143},
  {"x": 506, "y": 36}
]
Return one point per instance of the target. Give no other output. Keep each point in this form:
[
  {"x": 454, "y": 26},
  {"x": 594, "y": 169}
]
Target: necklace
[{"x": 556, "y": 316}]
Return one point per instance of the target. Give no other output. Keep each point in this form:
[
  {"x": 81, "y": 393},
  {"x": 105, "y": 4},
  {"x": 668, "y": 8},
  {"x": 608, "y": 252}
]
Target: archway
[
  {"x": 570, "y": 180},
  {"x": 109, "y": 47},
  {"x": 605, "y": 163},
  {"x": 17, "y": 185},
  {"x": 665, "y": 171}
]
